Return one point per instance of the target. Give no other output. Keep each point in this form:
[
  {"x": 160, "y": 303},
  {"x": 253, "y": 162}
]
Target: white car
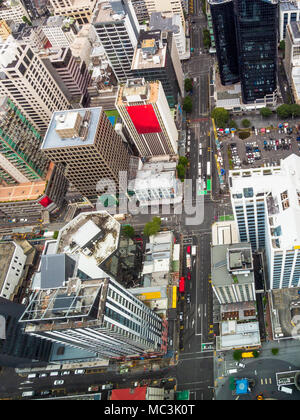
[
  {"x": 59, "y": 382},
  {"x": 241, "y": 365},
  {"x": 79, "y": 371},
  {"x": 65, "y": 372}
]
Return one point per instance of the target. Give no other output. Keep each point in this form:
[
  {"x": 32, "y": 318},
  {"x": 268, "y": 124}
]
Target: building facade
[
  {"x": 60, "y": 31},
  {"x": 86, "y": 144},
  {"x": 156, "y": 58},
  {"x": 18, "y": 349},
  {"x": 289, "y": 11},
  {"x": 111, "y": 322},
  {"x": 80, "y": 10},
  {"x": 266, "y": 207},
  {"x": 28, "y": 83},
  {"x": 222, "y": 14},
  {"x": 257, "y": 43},
  {"x": 13, "y": 10},
  {"x": 118, "y": 28},
  {"x": 144, "y": 110}
]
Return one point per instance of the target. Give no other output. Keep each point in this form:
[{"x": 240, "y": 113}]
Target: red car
[
  {"x": 188, "y": 249},
  {"x": 189, "y": 276}
]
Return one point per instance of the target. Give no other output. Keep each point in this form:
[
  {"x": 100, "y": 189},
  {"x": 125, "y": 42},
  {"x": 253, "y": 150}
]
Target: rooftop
[
  {"x": 93, "y": 235},
  {"x": 7, "y": 250},
  {"x": 165, "y": 23},
  {"x": 237, "y": 335},
  {"x": 108, "y": 11},
  {"x": 224, "y": 233},
  {"x": 226, "y": 264},
  {"x": 279, "y": 188},
  {"x": 65, "y": 120}
]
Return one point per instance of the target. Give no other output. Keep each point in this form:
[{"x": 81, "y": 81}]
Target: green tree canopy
[
  {"x": 206, "y": 38},
  {"x": 183, "y": 160},
  {"x": 295, "y": 110},
  {"x": 283, "y": 111},
  {"x": 232, "y": 124},
  {"x": 181, "y": 171},
  {"x": 187, "y": 104},
  {"x": 265, "y": 112},
  {"x": 237, "y": 355},
  {"x": 246, "y": 123},
  {"x": 221, "y": 117},
  {"x": 282, "y": 45},
  {"x": 153, "y": 227},
  {"x": 188, "y": 85},
  {"x": 128, "y": 231}
]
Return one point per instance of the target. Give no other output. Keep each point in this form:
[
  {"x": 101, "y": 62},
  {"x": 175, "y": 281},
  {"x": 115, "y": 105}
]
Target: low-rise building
[{"x": 156, "y": 184}]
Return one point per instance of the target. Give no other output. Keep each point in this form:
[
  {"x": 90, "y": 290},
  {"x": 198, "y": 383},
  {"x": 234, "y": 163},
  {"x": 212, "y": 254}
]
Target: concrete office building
[
  {"x": 170, "y": 23},
  {"x": 232, "y": 273},
  {"x": 289, "y": 11},
  {"x": 292, "y": 58},
  {"x": 5, "y": 30},
  {"x": 18, "y": 349},
  {"x": 141, "y": 11},
  {"x": 156, "y": 58},
  {"x": 80, "y": 10},
  {"x": 118, "y": 28},
  {"x": 85, "y": 142},
  {"x": 144, "y": 110},
  {"x": 60, "y": 31},
  {"x": 266, "y": 207},
  {"x": 166, "y": 6},
  {"x": 13, "y": 10},
  {"x": 72, "y": 77},
  {"x": 28, "y": 83},
  {"x": 96, "y": 315}
]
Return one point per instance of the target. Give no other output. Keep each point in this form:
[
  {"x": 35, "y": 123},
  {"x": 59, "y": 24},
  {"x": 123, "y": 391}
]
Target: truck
[
  {"x": 188, "y": 261},
  {"x": 194, "y": 250}
]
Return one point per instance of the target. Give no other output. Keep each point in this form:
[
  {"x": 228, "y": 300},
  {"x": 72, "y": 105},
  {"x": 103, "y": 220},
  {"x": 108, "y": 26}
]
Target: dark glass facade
[
  {"x": 222, "y": 14},
  {"x": 19, "y": 349},
  {"x": 246, "y": 35},
  {"x": 257, "y": 38}
]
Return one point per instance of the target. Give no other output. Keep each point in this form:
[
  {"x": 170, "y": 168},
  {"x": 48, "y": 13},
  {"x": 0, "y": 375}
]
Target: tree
[
  {"x": 232, "y": 124},
  {"x": 128, "y": 231},
  {"x": 187, "y": 104},
  {"x": 221, "y": 116},
  {"x": 283, "y": 111},
  {"x": 275, "y": 351},
  {"x": 246, "y": 123},
  {"x": 153, "y": 227},
  {"x": 180, "y": 171},
  {"x": 188, "y": 85},
  {"x": 255, "y": 353},
  {"x": 26, "y": 20},
  {"x": 282, "y": 45},
  {"x": 265, "y": 112},
  {"x": 295, "y": 110},
  {"x": 237, "y": 355},
  {"x": 183, "y": 160},
  {"x": 206, "y": 38}
]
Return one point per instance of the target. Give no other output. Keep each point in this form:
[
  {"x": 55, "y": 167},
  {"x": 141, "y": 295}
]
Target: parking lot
[{"x": 263, "y": 148}]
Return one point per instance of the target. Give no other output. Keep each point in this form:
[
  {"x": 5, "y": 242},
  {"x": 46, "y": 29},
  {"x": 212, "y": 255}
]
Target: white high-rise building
[
  {"x": 60, "y": 31},
  {"x": 27, "y": 82},
  {"x": 118, "y": 28},
  {"x": 80, "y": 10},
  {"x": 13, "y": 10},
  {"x": 266, "y": 205}
]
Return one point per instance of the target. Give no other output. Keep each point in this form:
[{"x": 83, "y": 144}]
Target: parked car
[
  {"x": 107, "y": 386},
  {"x": 241, "y": 365},
  {"x": 79, "y": 371},
  {"x": 188, "y": 298},
  {"x": 59, "y": 382},
  {"x": 189, "y": 276},
  {"x": 43, "y": 375},
  {"x": 181, "y": 316},
  {"x": 188, "y": 249},
  {"x": 65, "y": 372}
]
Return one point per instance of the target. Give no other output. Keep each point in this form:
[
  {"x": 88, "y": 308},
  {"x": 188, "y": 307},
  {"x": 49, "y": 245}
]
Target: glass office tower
[
  {"x": 256, "y": 23},
  {"x": 222, "y": 13}
]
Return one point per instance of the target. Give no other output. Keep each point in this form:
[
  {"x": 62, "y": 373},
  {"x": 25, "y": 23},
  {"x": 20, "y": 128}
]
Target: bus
[
  {"x": 247, "y": 355},
  {"x": 208, "y": 172}
]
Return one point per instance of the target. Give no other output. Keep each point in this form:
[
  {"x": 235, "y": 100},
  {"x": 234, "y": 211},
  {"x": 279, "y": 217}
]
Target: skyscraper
[
  {"x": 80, "y": 10},
  {"x": 27, "y": 82},
  {"x": 246, "y": 34},
  {"x": 257, "y": 43},
  {"x": 156, "y": 58},
  {"x": 145, "y": 112},
  {"x": 225, "y": 39},
  {"x": 266, "y": 205},
  {"x": 118, "y": 28},
  {"x": 89, "y": 148},
  {"x": 96, "y": 315}
]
